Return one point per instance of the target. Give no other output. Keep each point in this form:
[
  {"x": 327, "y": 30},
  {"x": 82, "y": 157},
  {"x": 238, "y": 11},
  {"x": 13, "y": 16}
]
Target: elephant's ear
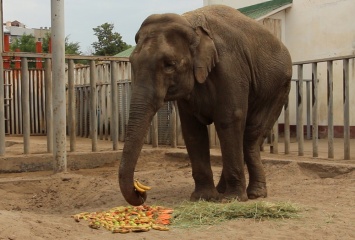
[{"x": 205, "y": 55}]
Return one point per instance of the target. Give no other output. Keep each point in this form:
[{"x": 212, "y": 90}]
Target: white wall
[
  {"x": 316, "y": 29},
  {"x": 320, "y": 29}
]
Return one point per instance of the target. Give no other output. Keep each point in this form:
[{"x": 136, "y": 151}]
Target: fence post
[
  {"x": 155, "y": 131},
  {"x": 346, "y": 109},
  {"x": 308, "y": 110},
  {"x": 173, "y": 125},
  {"x": 25, "y": 105},
  {"x": 315, "y": 109},
  {"x": 49, "y": 103},
  {"x": 58, "y": 74},
  {"x": 71, "y": 110},
  {"x": 330, "y": 109},
  {"x": 114, "y": 106},
  {"x": 300, "y": 130},
  {"x": 274, "y": 147},
  {"x": 93, "y": 105},
  {"x": 287, "y": 126},
  {"x": 2, "y": 96}
]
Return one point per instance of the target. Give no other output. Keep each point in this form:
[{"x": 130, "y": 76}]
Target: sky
[{"x": 81, "y": 16}]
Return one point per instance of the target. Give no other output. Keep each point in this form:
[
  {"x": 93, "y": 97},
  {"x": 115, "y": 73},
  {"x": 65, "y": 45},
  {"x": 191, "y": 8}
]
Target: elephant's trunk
[{"x": 140, "y": 116}]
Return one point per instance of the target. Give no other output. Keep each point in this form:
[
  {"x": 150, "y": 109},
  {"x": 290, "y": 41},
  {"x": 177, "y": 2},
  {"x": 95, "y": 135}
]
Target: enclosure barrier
[{"x": 99, "y": 111}]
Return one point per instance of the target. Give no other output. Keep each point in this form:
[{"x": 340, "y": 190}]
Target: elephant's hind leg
[{"x": 257, "y": 181}]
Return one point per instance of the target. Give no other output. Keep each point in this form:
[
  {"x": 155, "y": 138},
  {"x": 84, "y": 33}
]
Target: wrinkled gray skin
[{"x": 222, "y": 68}]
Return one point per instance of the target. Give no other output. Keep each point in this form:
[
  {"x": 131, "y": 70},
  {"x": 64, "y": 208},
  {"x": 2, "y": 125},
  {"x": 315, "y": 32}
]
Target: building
[
  {"x": 16, "y": 29},
  {"x": 315, "y": 29}
]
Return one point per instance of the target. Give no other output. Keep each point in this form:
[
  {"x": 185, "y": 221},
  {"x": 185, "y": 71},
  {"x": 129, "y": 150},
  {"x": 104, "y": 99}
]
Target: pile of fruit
[{"x": 129, "y": 219}]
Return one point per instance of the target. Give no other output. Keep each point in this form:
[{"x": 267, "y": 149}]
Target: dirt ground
[{"x": 39, "y": 205}]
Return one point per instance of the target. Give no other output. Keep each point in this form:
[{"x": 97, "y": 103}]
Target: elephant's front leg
[
  {"x": 197, "y": 143},
  {"x": 232, "y": 183}
]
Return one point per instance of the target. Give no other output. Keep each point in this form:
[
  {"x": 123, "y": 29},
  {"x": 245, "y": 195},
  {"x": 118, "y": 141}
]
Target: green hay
[{"x": 194, "y": 214}]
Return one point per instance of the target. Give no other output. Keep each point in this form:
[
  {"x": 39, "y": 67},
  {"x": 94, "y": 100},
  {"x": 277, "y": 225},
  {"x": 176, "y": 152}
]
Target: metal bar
[
  {"x": 325, "y": 59},
  {"x": 25, "y": 97},
  {"x": 114, "y": 106},
  {"x": 93, "y": 105},
  {"x": 49, "y": 103},
  {"x": 300, "y": 131},
  {"x": 58, "y": 71},
  {"x": 315, "y": 109},
  {"x": 308, "y": 109},
  {"x": 346, "y": 109},
  {"x": 330, "y": 109},
  {"x": 2, "y": 103},
  {"x": 287, "y": 127},
  {"x": 71, "y": 110}
]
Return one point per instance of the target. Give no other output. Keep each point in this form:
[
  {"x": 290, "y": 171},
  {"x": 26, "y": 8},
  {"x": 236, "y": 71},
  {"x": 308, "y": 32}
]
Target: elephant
[{"x": 220, "y": 67}]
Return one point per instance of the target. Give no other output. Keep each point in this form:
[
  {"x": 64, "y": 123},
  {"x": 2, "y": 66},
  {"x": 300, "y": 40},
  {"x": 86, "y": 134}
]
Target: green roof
[
  {"x": 126, "y": 53},
  {"x": 261, "y": 9}
]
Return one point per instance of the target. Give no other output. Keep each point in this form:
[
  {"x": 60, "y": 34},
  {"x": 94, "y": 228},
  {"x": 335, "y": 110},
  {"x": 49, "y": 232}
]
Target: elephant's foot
[
  {"x": 221, "y": 186},
  {"x": 208, "y": 195},
  {"x": 257, "y": 190},
  {"x": 241, "y": 196}
]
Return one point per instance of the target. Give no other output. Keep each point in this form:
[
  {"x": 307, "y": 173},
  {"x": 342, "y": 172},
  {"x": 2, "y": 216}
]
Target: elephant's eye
[{"x": 169, "y": 66}]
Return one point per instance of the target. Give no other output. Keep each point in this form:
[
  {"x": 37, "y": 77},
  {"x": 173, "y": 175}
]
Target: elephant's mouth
[{"x": 171, "y": 94}]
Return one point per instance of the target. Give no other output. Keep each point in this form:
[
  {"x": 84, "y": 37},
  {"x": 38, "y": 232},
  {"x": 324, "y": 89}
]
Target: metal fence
[{"x": 27, "y": 95}]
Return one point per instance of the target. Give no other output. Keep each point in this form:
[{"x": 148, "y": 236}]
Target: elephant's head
[{"x": 171, "y": 57}]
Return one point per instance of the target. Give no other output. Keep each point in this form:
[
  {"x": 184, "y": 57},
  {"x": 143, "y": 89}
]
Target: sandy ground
[{"x": 39, "y": 205}]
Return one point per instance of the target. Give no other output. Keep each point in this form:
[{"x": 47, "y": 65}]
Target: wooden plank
[
  {"x": 315, "y": 109},
  {"x": 287, "y": 126},
  {"x": 107, "y": 102},
  {"x": 81, "y": 111},
  {"x": 12, "y": 95},
  {"x": 49, "y": 104},
  {"x": 330, "y": 109},
  {"x": 346, "y": 99},
  {"x": 16, "y": 100},
  {"x": 25, "y": 105},
  {"x": 300, "y": 130},
  {"x": 114, "y": 125},
  {"x": 93, "y": 106},
  {"x": 173, "y": 125},
  {"x": 155, "y": 131},
  {"x": 274, "y": 146},
  {"x": 71, "y": 106},
  {"x": 35, "y": 101},
  {"x": 31, "y": 99},
  {"x": 85, "y": 115}
]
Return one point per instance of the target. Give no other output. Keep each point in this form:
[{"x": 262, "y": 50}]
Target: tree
[
  {"x": 70, "y": 47},
  {"x": 26, "y": 43},
  {"x": 109, "y": 43}
]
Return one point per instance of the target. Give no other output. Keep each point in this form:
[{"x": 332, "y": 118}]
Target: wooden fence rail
[{"x": 97, "y": 110}]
